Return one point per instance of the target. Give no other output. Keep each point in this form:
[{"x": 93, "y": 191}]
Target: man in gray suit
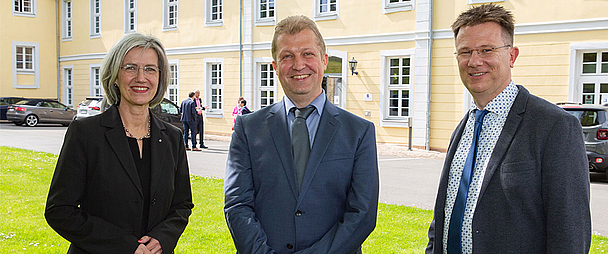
[
  {"x": 297, "y": 184},
  {"x": 515, "y": 178}
]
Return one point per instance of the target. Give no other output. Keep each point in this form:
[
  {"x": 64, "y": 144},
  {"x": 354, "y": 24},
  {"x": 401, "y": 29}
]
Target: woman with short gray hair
[{"x": 121, "y": 184}]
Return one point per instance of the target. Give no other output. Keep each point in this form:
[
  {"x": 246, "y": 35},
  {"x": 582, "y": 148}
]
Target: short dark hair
[
  {"x": 244, "y": 102},
  {"x": 487, "y": 13},
  {"x": 191, "y": 94}
]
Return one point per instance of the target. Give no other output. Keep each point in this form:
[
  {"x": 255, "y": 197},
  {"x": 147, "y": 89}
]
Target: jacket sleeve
[
  {"x": 246, "y": 230},
  {"x": 169, "y": 230},
  {"x": 89, "y": 233},
  {"x": 359, "y": 219},
  {"x": 565, "y": 188}
]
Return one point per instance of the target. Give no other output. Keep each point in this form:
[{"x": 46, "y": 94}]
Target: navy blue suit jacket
[
  {"x": 535, "y": 193},
  {"x": 188, "y": 110},
  {"x": 336, "y": 208}
]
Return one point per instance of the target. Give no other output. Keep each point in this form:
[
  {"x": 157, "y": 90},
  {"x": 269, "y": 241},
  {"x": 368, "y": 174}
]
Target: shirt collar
[
  {"x": 318, "y": 103},
  {"x": 501, "y": 104}
]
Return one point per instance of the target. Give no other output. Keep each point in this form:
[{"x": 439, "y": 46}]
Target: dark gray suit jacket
[
  {"x": 334, "y": 211},
  {"x": 535, "y": 194},
  {"x": 96, "y": 200}
]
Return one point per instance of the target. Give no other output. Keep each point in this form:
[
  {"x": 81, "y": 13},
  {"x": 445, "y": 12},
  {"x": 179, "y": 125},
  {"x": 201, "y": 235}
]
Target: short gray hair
[{"x": 110, "y": 66}]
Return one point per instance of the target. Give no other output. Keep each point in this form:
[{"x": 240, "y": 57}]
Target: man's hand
[{"x": 151, "y": 244}]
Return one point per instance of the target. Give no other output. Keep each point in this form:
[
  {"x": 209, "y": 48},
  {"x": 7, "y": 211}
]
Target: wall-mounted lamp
[{"x": 353, "y": 66}]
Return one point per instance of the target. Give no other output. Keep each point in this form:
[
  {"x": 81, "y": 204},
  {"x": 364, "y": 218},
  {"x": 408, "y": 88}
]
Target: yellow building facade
[{"x": 406, "y": 70}]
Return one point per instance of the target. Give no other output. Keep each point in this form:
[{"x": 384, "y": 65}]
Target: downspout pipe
[
  {"x": 240, "y": 47},
  {"x": 57, "y": 49},
  {"x": 428, "y": 100}
]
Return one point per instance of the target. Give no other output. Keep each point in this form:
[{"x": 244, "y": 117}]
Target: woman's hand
[
  {"x": 142, "y": 249},
  {"x": 151, "y": 244}
]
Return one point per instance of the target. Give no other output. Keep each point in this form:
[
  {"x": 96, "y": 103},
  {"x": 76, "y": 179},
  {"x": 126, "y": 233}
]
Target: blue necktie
[{"x": 454, "y": 233}]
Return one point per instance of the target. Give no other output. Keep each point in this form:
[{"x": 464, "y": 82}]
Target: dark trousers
[
  {"x": 200, "y": 128},
  {"x": 190, "y": 127}
]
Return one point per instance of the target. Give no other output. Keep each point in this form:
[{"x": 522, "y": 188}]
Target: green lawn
[{"x": 25, "y": 177}]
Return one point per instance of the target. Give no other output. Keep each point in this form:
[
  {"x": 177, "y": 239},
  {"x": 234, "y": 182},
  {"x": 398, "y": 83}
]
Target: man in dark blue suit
[
  {"x": 297, "y": 184},
  {"x": 188, "y": 110}
]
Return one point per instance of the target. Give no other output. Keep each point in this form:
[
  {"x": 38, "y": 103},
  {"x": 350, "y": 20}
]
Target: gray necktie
[{"x": 300, "y": 143}]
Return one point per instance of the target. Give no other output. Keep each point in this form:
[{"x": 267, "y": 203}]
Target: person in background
[
  {"x": 188, "y": 110},
  {"x": 244, "y": 109},
  {"x": 121, "y": 183},
  {"x": 302, "y": 174},
  {"x": 236, "y": 111},
  {"x": 199, "y": 117},
  {"x": 515, "y": 178}
]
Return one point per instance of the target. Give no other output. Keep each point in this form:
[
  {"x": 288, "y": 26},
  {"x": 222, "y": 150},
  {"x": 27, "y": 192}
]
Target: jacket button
[
  {"x": 153, "y": 202},
  {"x": 289, "y": 246},
  {"x": 298, "y": 213}
]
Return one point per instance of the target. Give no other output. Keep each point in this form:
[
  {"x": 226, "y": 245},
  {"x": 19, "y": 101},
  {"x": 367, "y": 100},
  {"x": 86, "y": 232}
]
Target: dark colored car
[
  {"x": 34, "y": 111},
  {"x": 5, "y": 102},
  {"x": 168, "y": 112},
  {"x": 594, "y": 120}
]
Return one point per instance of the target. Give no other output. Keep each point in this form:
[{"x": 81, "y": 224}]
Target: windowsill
[
  {"x": 24, "y": 14},
  {"x": 26, "y": 72},
  {"x": 214, "y": 23},
  {"x": 485, "y": 1},
  {"x": 265, "y": 22},
  {"x": 214, "y": 115},
  {"x": 95, "y": 36},
  {"x": 169, "y": 28},
  {"x": 391, "y": 8},
  {"x": 326, "y": 16},
  {"x": 399, "y": 123},
  {"x": 66, "y": 39}
]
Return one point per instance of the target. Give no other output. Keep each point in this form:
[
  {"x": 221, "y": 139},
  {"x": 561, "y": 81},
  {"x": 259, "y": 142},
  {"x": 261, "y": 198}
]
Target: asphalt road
[{"x": 403, "y": 180}]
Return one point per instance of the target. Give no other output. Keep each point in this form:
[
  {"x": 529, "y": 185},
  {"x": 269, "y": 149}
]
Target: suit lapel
[
  {"x": 159, "y": 145},
  {"x": 118, "y": 141},
  {"x": 277, "y": 123},
  {"x": 328, "y": 125},
  {"x": 506, "y": 136}
]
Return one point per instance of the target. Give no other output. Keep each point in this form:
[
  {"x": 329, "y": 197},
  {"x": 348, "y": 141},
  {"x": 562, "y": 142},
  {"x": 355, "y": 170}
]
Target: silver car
[
  {"x": 594, "y": 120},
  {"x": 34, "y": 111}
]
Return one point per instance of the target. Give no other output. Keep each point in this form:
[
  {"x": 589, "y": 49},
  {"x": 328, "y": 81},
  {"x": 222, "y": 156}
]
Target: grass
[{"x": 25, "y": 177}]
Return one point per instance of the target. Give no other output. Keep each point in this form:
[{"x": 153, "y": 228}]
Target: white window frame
[
  {"x": 267, "y": 21},
  {"x": 485, "y": 1},
  {"x": 577, "y": 78},
  {"x": 173, "y": 81},
  {"x": 68, "y": 24},
  {"x": 258, "y": 62},
  {"x": 209, "y": 21},
  {"x": 128, "y": 12},
  {"x": 385, "y": 119},
  {"x": 31, "y": 13},
  {"x": 95, "y": 80},
  {"x": 94, "y": 14},
  {"x": 328, "y": 15},
  {"x": 402, "y": 5},
  {"x": 211, "y": 112},
  {"x": 68, "y": 85},
  {"x": 35, "y": 70},
  {"x": 167, "y": 4}
]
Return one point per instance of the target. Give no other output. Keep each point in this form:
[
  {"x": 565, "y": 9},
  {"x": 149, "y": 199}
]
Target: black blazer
[
  {"x": 535, "y": 193},
  {"x": 95, "y": 199}
]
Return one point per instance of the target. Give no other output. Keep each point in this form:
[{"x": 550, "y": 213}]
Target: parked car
[
  {"x": 5, "y": 102},
  {"x": 89, "y": 107},
  {"x": 168, "y": 112},
  {"x": 34, "y": 111},
  {"x": 594, "y": 120}
]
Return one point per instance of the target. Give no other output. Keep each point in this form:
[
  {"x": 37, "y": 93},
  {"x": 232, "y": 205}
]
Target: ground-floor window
[{"x": 214, "y": 87}]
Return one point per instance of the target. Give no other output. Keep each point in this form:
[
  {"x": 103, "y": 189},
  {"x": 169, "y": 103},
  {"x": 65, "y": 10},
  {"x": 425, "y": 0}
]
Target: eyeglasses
[
  {"x": 482, "y": 52},
  {"x": 133, "y": 69}
]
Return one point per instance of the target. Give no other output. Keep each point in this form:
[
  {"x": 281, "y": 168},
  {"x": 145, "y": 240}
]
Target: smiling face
[
  {"x": 138, "y": 89},
  {"x": 485, "y": 77},
  {"x": 300, "y": 66}
]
